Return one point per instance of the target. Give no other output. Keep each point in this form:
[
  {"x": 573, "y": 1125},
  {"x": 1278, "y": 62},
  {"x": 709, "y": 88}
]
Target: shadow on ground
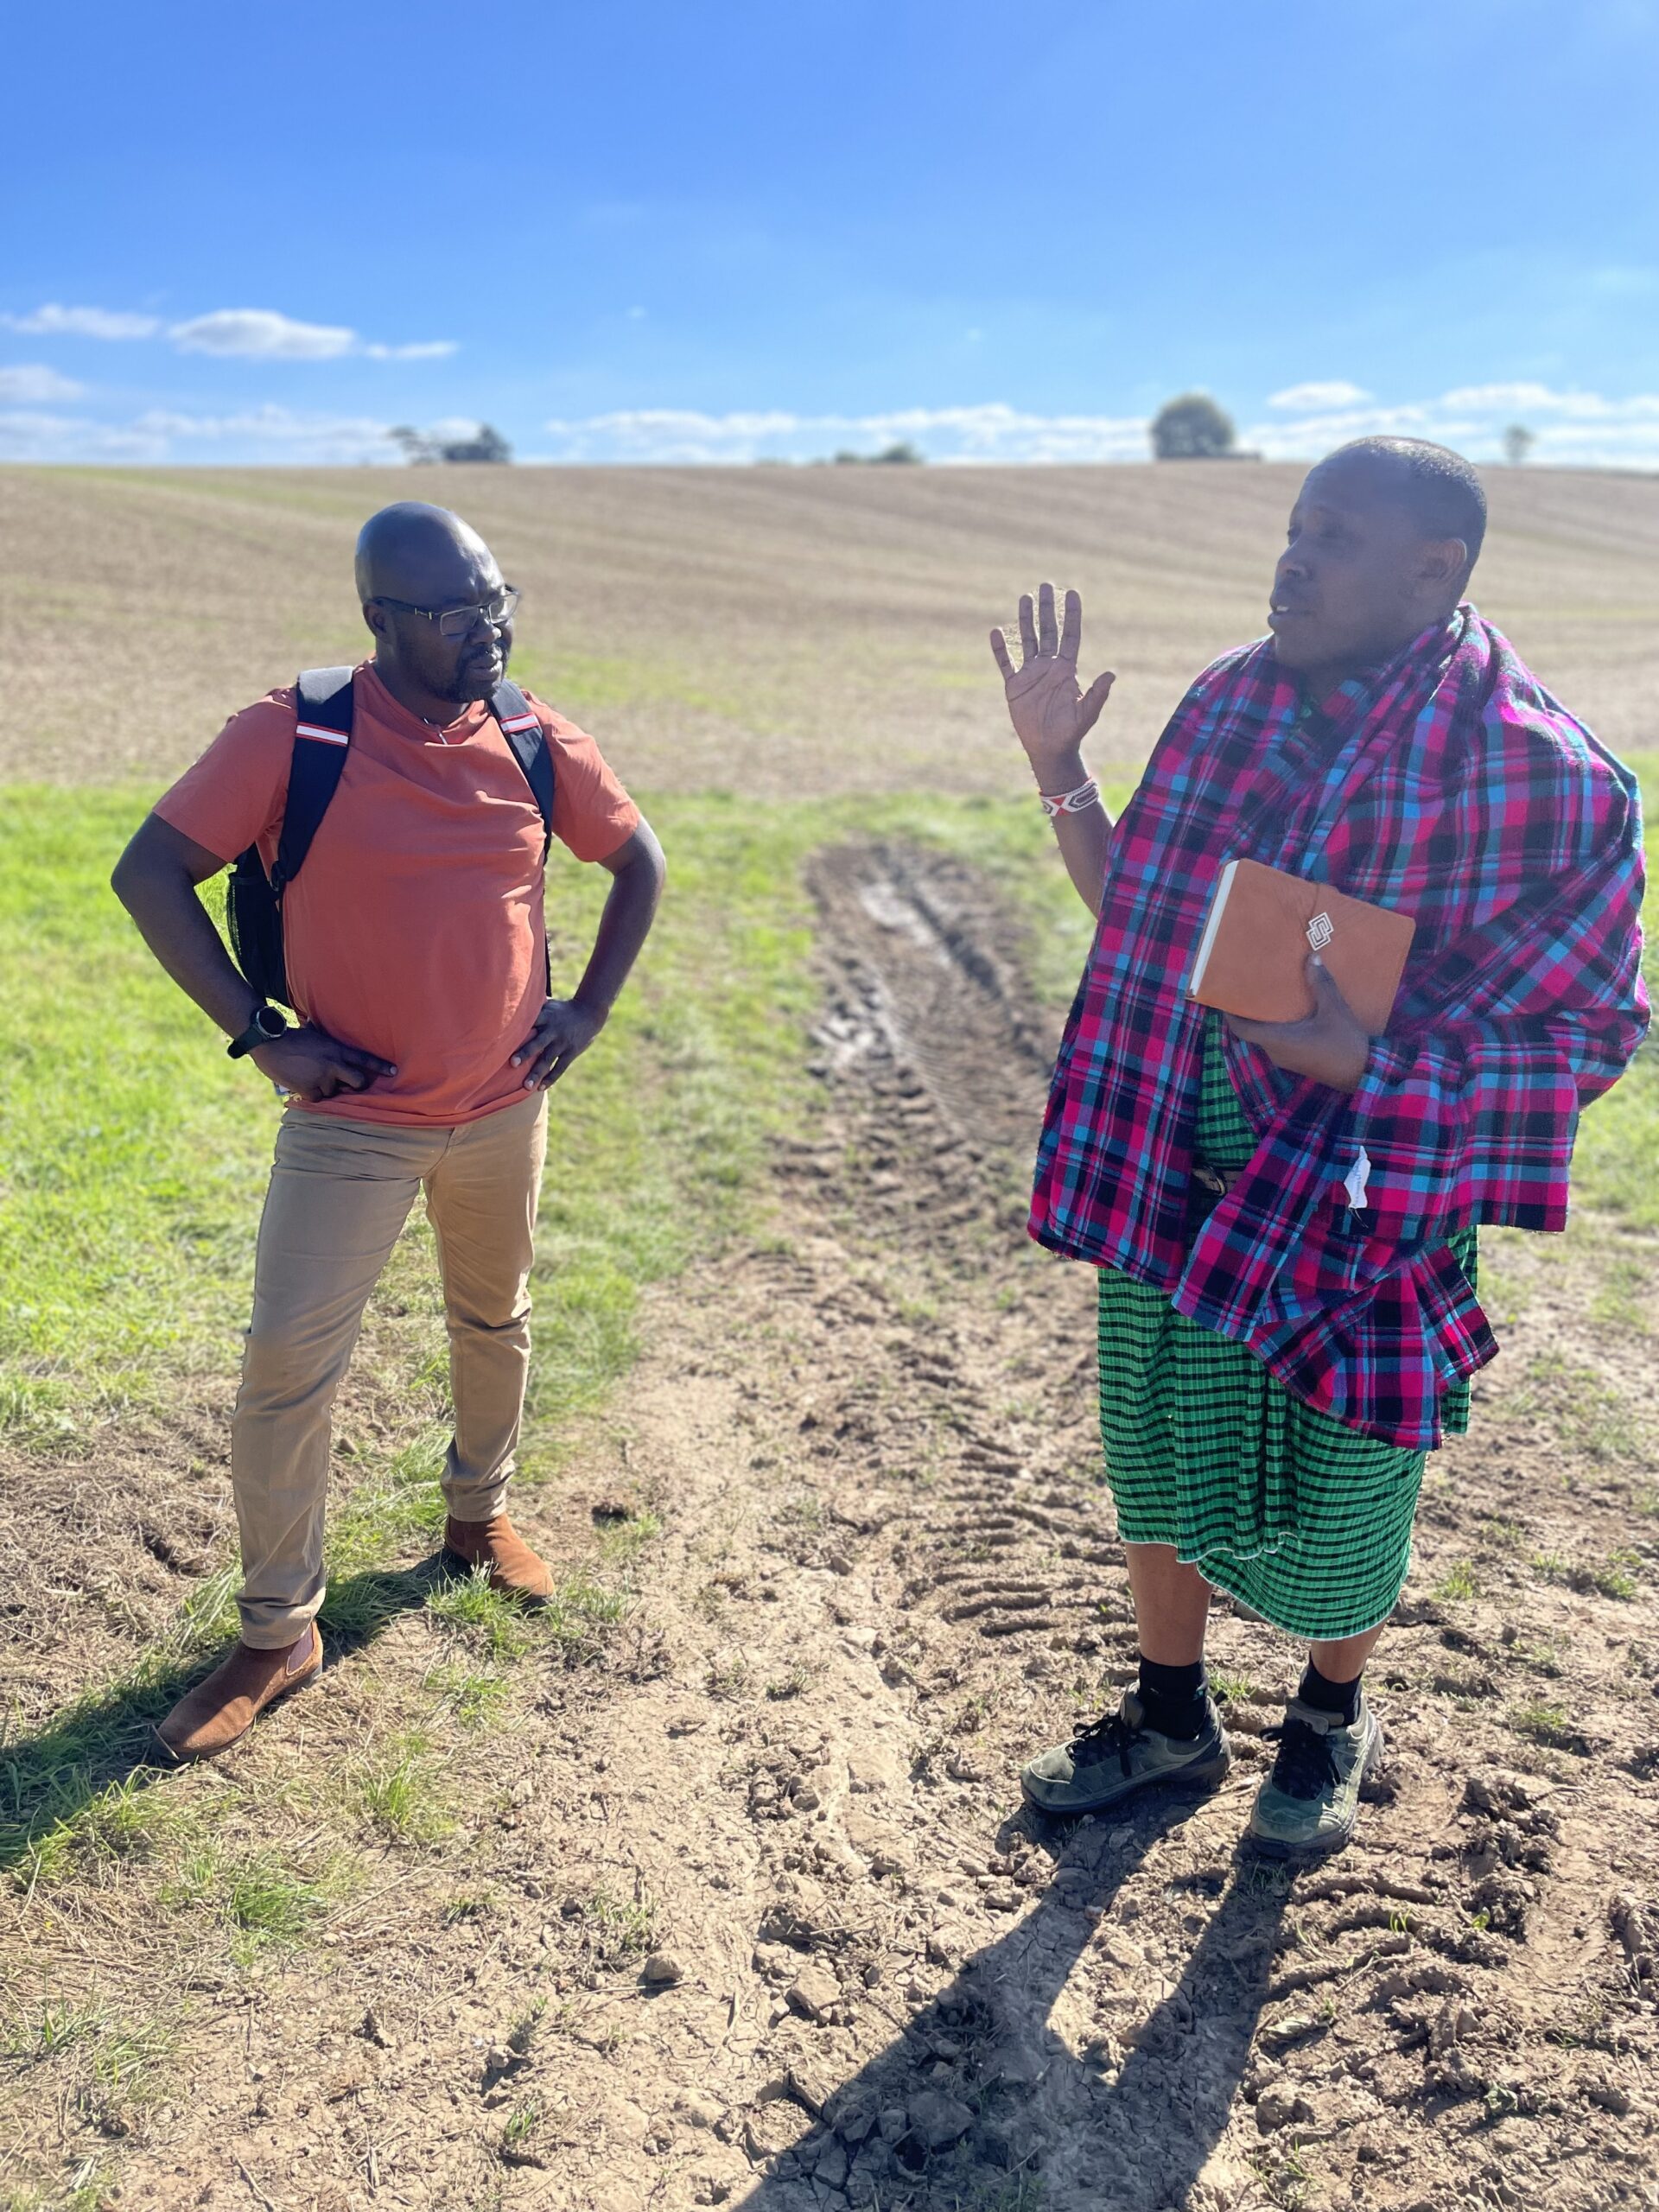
[
  {"x": 106, "y": 1739},
  {"x": 978, "y": 2103}
]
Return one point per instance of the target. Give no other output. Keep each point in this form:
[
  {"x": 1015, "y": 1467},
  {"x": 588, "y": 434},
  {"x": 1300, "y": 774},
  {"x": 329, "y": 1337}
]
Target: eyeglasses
[{"x": 457, "y": 621}]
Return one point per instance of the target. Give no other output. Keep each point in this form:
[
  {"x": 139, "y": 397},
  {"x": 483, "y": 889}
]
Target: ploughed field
[
  {"x": 790, "y": 632},
  {"x": 712, "y": 1886}
]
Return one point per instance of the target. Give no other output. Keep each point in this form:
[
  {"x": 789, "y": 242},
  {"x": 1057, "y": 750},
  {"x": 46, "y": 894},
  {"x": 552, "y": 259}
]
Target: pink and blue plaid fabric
[{"x": 1451, "y": 784}]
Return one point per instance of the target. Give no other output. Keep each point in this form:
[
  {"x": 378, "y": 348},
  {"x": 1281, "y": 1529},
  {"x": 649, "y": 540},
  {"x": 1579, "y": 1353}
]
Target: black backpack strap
[
  {"x": 323, "y": 736},
  {"x": 521, "y": 727}
]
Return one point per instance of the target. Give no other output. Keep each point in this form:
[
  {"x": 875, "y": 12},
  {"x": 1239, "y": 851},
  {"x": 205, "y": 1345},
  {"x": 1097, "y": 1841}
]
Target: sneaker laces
[
  {"x": 1112, "y": 1733},
  {"x": 1306, "y": 1765}
]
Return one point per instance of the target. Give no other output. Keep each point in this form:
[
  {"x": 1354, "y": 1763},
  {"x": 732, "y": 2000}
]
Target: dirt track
[{"x": 886, "y": 1574}]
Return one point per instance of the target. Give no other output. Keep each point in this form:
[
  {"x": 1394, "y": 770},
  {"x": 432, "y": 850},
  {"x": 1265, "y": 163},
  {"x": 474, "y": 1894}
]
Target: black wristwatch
[{"x": 267, "y": 1026}]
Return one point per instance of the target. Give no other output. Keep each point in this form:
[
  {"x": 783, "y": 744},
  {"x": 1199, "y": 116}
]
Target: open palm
[{"x": 1050, "y": 712}]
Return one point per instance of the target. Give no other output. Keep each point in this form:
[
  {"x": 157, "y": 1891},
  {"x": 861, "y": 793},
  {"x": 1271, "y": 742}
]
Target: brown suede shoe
[
  {"x": 220, "y": 1711},
  {"x": 514, "y": 1568}
]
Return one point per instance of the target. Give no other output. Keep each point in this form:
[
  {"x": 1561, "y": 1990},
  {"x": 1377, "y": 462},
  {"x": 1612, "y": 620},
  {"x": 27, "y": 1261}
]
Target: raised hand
[{"x": 1051, "y": 714}]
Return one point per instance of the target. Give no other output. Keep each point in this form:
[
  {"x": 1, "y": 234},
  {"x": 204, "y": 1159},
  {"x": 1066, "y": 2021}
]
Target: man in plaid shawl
[{"x": 1283, "y": 1214}]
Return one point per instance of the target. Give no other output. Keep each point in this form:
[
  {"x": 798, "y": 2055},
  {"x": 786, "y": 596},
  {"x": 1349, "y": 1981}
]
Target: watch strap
[{"x": 266, "y": 1027}]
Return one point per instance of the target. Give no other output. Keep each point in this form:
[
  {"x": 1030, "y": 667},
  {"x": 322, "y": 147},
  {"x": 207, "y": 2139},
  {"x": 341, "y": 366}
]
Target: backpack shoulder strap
[
  {"x": 521, "y": 726},
  {"x": 323, "y": 736}
]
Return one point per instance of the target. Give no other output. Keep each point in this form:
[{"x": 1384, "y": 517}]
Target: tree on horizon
[
  {"x": 1193, "y": 428},
  {"x": 901, "y": 453},
  {"x": 1518, "y": 442},
  {"x": 487, "y": 444}
]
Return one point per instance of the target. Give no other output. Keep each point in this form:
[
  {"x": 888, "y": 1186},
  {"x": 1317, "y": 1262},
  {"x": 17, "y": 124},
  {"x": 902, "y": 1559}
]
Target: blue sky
[{"x": 718, "y": 232}]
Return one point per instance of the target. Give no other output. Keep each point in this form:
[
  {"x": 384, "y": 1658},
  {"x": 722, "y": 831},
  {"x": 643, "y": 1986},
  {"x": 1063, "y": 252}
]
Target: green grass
[
  {"x": 1617, "y": 1576},
  {"x": 727, "y": 1676},
  {"x": 1505, "y": 1534},
  {"x": 53, "y": 1780},
  {"x": 471, "y": 1695},
  {"x": 1588, "y": 1415},
  {"x": 131, "y": 1150},
  {"x": 133, "y": 1157},
  {"x": 467, "y": 1905},
  {"x": 120, "y": 2056},
  {"x": 260, "y": 1900},
  {"x": 123, "y": 1821},
  {"x": 1624, "y": 1295},
  {"x": 133, "y": 1154},
  {"x": 398, "y": 1791},
  {"x": 609, "y": 686},
  {"x": 1543, "y": 1722},
  {"x": 1457, "y": 1585},
  {"x": 488, "y": 1621},
  {"x": 132, "y": 1163},
  {"x": 524, "y": 2124},
  {"x": 619, "y": 1931},
  {"x": 1619, "y": 1139}
]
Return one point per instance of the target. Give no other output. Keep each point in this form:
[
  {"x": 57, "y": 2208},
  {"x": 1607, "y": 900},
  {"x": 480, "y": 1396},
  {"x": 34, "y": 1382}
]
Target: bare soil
[
  {"x": 777, "y": 631},
  {"x": 744, "y": 1910}
]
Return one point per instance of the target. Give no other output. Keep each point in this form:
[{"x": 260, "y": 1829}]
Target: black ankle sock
[
  {"x": 1176, "y": 1699},
  {"x": 1340, "y": 1697}
]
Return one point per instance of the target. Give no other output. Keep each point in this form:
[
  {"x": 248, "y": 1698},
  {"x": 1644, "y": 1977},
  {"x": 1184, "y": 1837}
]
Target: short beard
[{"x": 463, "y": 689}]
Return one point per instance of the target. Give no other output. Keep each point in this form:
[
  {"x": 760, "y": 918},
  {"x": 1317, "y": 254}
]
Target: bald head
[
  {"x": 414, "y": 564},
  {"x": 406, "y": 549}
]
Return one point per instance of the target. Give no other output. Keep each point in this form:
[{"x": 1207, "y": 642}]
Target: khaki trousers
[{"x": 341, "y": 1193}]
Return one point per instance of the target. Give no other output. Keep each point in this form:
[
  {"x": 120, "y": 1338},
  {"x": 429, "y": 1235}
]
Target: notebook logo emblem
[{"x": 1320, "y": 931}]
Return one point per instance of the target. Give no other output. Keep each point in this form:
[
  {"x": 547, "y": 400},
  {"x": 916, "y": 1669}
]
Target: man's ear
[
  {"x": 375, "y": 616},
  {"x": 1443, "y": 565}
]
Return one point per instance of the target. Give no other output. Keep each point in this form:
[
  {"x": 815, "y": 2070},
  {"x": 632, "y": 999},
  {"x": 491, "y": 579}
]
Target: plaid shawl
[{"x": 1450, "y": 784}]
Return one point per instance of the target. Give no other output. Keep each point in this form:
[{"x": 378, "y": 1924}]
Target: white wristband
[{"x": 1086, "y": 795}]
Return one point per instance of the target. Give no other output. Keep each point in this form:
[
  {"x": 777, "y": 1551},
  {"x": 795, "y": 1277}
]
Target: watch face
[{"x": 271, "y": 1021}]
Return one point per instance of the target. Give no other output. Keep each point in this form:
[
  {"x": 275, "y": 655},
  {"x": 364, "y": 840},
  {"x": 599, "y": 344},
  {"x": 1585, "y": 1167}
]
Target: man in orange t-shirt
[{"x": 415, "y": 947}]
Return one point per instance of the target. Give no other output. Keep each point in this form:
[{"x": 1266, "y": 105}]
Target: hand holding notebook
[{"x": 1265, "y": 931}]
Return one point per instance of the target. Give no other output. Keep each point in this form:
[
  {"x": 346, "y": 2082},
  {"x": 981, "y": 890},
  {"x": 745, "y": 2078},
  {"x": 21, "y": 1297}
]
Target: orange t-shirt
[{"x": 414, "y": 930}]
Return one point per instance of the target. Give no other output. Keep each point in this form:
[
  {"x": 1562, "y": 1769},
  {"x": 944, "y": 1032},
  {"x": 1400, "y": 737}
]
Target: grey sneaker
[
  {"x": 1308, "y": 1805},
  {"x": 1117, "y": 1755}
]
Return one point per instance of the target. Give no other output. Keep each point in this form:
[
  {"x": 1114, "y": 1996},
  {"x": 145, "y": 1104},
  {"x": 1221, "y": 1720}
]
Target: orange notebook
[{"x": 1263, "y": 923}]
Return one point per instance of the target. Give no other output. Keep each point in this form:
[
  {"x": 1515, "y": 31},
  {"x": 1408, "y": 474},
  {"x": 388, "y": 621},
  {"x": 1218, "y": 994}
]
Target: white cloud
[
  {"x": 426, "y": 349},
  {"x": 248, "y": 334},
  {"x": 948, "y": 434},
  {"x": 251, "y": 435},
  {"x": 261, "y": 334},
  {"x": 1577, "y": 429},
  {"x": 1301, "y": 397},
  {"x": 1582, "y": 429},
  {"x": 25, "y": 435},
  {"x": 51, "y": 321},
  {"x": 273, "y": 433},
  {"x": 32, "y": 385}
]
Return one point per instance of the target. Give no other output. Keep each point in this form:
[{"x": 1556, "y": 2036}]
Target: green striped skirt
[{"x": 1303, "y": 1521}]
